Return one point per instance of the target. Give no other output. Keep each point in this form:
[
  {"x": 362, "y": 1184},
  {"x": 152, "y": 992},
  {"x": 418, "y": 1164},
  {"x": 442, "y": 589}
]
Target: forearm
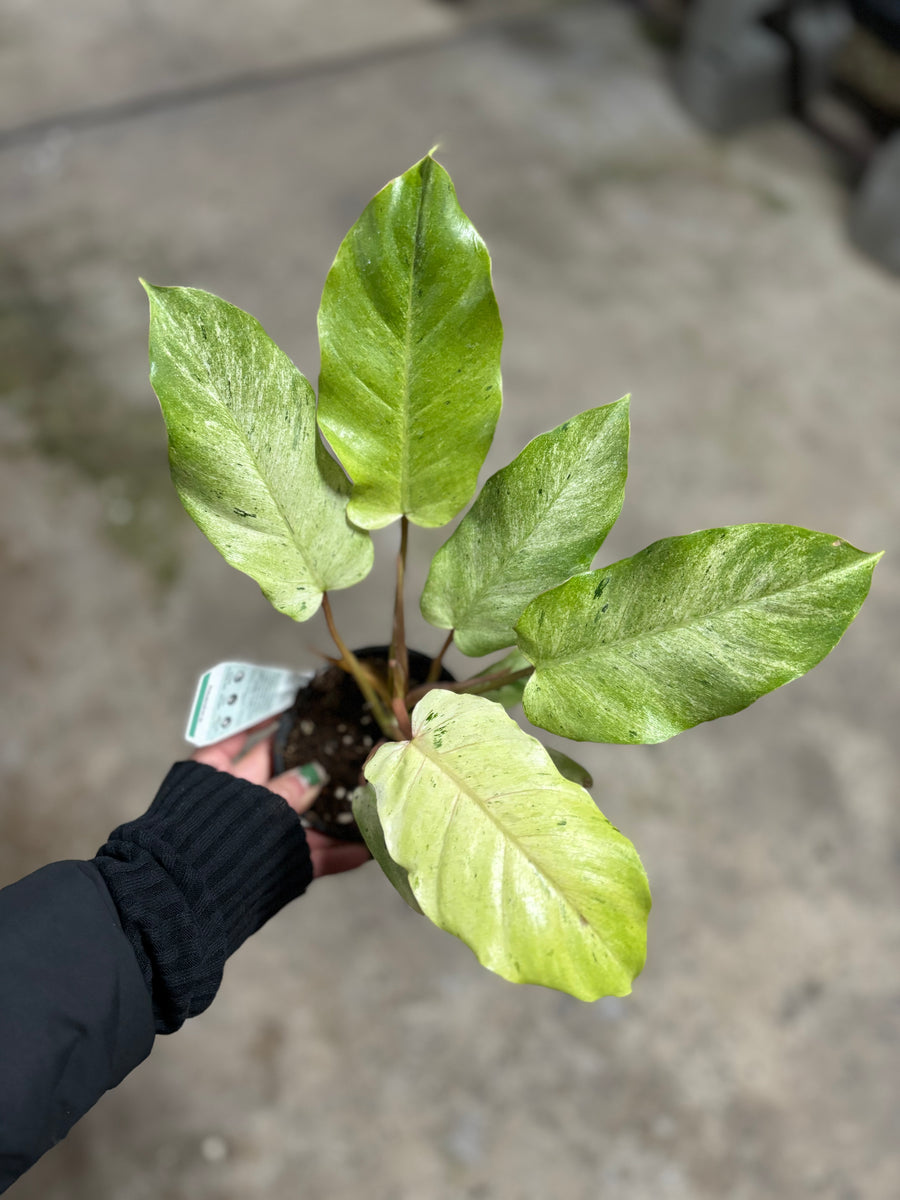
[
  {"x": 207, "y": 865},
  {"x": 96, "y": 957},
  {"x": 75, "y": 1013}
]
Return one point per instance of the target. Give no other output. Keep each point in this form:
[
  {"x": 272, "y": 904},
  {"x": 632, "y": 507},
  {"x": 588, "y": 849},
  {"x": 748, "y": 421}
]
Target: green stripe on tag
[{"x": 204, "y": 684}]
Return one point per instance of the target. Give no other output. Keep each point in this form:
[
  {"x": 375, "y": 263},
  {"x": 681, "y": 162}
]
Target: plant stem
[
  {"x": 399, "y": 658},
  {"x": 435, "y": 669},
  {"x": 401, "y": 712},
  {"x": 475, "y": 685},
  {"x": 386, "y": 720}
]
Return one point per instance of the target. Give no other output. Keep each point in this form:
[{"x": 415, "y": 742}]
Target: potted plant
[{"x": 476, "y": 824}]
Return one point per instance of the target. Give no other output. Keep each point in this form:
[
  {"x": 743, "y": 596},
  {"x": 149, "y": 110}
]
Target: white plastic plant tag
[{"x": 234, "y": 696}]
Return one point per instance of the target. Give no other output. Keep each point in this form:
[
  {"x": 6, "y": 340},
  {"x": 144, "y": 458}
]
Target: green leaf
[
  {"x": 410, "y": 335},
  {"x": 365, "y": 813},
  {"x": 536, "y": 522},
  {"x": 508, "y": 694},
  {"x": 506, "y": 854},
  {"x": 245, "y": 454},
  {"x": 690, "y": 629},
  {"x": 569, "y": 768}
]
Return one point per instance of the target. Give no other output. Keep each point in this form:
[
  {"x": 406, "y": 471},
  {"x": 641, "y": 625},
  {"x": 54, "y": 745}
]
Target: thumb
[{"x": 301, "y": 786}]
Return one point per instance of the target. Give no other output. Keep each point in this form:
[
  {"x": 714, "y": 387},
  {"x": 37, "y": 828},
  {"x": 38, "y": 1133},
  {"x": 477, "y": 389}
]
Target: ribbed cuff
[{"x": 210, "y": 862}]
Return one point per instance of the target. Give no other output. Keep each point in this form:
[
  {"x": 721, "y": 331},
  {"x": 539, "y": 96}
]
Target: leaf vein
[{"x": 599, "y": 649}]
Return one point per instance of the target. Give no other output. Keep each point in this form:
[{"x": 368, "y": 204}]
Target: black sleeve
[
  {"x": 208, "y": 864},
  {"x": 75, "y": 1014},
  {"x": 97, "y": 956}
]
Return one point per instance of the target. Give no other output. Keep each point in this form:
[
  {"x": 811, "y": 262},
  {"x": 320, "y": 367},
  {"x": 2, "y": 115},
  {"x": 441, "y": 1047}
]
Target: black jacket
[{"x": 97, "y": 957}]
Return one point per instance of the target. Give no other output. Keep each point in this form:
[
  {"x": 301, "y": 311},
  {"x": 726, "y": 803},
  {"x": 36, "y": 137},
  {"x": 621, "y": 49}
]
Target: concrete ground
[{"x": 354, "y": 1050}]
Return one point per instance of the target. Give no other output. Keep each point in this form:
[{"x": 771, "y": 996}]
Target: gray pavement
[{"x": 354, "y": 1050}]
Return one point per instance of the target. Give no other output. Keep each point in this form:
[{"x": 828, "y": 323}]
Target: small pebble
[
  {"x": 340, "y": 793},
  {"x": 214, "y": 1149},
  {"x": 307, "y": 728},
  {"x": 344, "y": 818},
  {"x": 331, "y": 748},
  {"x": 365, "y": 720},
  {"x": 342, "y": 728},
  {"x": 367, "y": 741},
  {"x": 347, "y": 739}
]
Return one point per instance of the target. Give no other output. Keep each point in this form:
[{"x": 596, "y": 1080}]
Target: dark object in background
[
  {"x": 874, "y": 221},
  {"x": 881, "y": 17},
  {"x": 834, "y": 64},
  {"x": 868, "y": 66},
  {"x": 870, "y": 70}
]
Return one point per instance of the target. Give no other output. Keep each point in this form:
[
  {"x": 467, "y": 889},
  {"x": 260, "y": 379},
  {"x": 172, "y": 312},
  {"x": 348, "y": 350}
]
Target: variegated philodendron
[{"x": 477, "y": 825}]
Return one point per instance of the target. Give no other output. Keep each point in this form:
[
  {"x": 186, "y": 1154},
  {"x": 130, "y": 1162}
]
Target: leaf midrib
[
  {"x": 463, "y": 789},
  {"x": 407, "y": 346},
  {"x": 242, "y": 437},
  {"x": 490, "y": 584},
  {"x": 653, "y": 633}
]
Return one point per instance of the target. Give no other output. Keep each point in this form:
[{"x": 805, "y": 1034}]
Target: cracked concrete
[{"x": 355, "y": 1050}]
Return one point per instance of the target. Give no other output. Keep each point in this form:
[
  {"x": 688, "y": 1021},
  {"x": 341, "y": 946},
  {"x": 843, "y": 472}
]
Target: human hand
[{"x": 329, "y": 855}]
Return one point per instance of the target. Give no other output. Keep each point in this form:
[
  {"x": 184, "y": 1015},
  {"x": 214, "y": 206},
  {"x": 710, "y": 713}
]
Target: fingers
[
  {"x": 299, "y": 787},
  {"x": 222, "y": 754},
  {"x": 330, "y": 856},
  {"x": 256, "y": 765}
]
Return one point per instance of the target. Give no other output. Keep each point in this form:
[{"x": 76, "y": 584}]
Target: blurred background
[{"x": 694, "y": 203}]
